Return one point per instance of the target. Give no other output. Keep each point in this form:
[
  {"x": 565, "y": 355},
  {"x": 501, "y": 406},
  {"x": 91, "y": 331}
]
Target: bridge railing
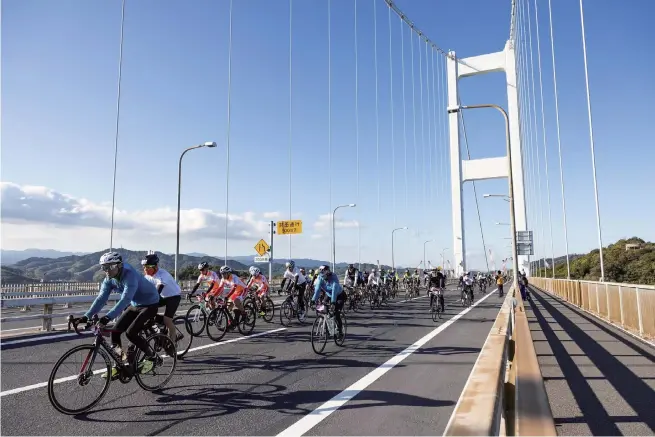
[
  {"x": 505, "y": 393},
  {"x": 630, "y": 307}
]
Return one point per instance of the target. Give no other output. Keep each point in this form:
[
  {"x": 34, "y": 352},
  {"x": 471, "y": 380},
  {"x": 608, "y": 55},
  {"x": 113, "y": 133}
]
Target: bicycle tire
[
  {"x": 287, "y": 307},
  {"x": 181, "y": 352},
  {"x": 189, "y": 317},
  {"x": 268, "y": 305},
  {"x": 51, "y": 380},
  {"x": 213, "y": 320},
  {"x": 318, "y": 326},
  {"x": 252, "y": 316},
  {"x": 157, "y": 339}
]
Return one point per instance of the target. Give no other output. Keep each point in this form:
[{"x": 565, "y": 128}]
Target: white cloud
[
  {"x": 271, "y": 215},
  {"x": 35, "y": 205},
  {"x": 324, "y": 222},
  {"x": 316, "y": 236}
]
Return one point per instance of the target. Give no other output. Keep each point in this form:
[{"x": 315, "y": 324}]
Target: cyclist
[
  {"x": 169, "y": 291},
  {"x": 434, "y": 283},
  {"x": 499, "y": 282},
  {"x": 139, "y": 299},
  {"x": 350, "y": 278},
  {"x": 298, "y": 283},
  {"x": 329, "y": 283},
  {"x": 258, "y": 281},
  {"x": 467, "y": 280},
  {"x": 232, "y": 288},
  {"x": 208, "y": 277}
]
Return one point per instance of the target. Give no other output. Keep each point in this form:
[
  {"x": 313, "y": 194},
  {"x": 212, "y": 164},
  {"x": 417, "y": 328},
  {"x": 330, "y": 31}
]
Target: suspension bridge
[{"x": 575, "y": 359}]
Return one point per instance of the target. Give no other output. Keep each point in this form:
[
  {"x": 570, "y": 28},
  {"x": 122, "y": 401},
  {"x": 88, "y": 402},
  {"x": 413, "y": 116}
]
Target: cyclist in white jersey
[
  {"x": 297, "y": 281},
  {"x": 169, "y": 291}
]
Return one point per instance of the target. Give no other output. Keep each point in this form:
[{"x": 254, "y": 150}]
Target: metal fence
[{"x": 628, "y": 306}]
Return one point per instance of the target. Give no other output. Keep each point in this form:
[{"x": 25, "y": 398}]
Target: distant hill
[
  {"x": 85, "y": 267},
  {"x": 634, "y": 266},
  {"x": 8, "y": 257}
]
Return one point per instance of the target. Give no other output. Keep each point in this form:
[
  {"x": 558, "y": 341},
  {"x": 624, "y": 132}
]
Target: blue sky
[{"x": 59, "y": 79}]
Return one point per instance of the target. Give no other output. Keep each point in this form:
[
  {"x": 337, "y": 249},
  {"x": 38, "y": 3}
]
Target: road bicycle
[
  {"x": 221, "y": 318},
  {"x": 263, "y": 305},
  {"x": 100, "y": 352},
  {"x": 325, "y": 325},
  {"x": 435, "y": 308}
]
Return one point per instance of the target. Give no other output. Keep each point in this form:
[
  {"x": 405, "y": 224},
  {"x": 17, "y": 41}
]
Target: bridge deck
[{"x": 600, "y": 380}]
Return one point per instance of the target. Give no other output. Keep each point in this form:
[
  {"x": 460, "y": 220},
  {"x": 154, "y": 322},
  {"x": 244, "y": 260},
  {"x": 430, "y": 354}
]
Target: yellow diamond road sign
[
  {"x": 285, "y": 227},
  {"x": 261, "y": 247}
]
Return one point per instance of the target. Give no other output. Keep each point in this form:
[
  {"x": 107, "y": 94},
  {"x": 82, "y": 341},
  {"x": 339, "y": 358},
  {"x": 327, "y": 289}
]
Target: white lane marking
[
  {"x": 319, "y": 414},
  {"x": 69, "y": 378},
  {"x": 30, "y": 327},
  {"x": 42, "y": 338}
]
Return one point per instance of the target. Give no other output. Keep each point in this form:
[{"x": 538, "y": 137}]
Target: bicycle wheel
[
  {"x": 197, "y": 320},
  {"x": 217, "y": 324},
  {"x": 436, "y": 310},
  {"x": 268, "y": 307},
  {"x": 319, "y": 334},
  {"x": 144, "y": 371},
  {"x": 182, "y": 326},
  {"x": 248, "y": 318},
  {"x": 344, "y": 327},
  {"x": 286, "y": 312},
  {"x": 82, "y": 380}
]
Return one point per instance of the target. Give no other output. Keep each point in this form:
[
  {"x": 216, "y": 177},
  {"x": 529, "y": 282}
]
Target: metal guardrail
[
  {"x": 505, "y": 394},
  {"x": 630, "y": 307}
]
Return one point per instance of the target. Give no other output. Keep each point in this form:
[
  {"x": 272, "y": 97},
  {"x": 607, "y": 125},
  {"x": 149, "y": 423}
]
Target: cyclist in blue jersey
[
  {"x": 138, "y": 295},
  {"x": 329, "y": 283}
]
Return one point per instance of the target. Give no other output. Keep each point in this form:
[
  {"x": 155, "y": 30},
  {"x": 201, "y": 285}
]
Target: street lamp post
[
  {"x": 442, "y": 252},
  {"x": 334, "y": 246},
  {"x": 424, "y": 264},
  {"x": 179, "y": 190},
  {"x": 393, "y": 262},
  {"x": 510, "y": 177}
]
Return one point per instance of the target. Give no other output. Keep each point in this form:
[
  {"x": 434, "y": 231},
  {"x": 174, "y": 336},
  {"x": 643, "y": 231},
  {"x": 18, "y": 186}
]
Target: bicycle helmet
[
  {"x": 254, "y": 271},
  {"x": 351, "y": 267},
  {"x": 111, "y": 258},
  {"x": 324, "y": 270},
  {"x": 290, "y": 264},
  {"x": 150, "y": 259},
  {"x": 226, "y": 270},
  {"x": 203, "y": 266}
]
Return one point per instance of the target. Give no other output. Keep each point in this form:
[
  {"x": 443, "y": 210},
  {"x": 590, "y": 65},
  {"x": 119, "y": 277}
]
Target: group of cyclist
[{"x": 143, "y": 295}]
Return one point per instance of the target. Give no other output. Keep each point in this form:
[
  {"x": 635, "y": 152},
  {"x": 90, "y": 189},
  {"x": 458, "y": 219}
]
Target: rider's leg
[
  {"x": 338, "y": 307},
  {"x": 172, "y": 304},
  {"x": 301, "y": 298},
  {"x": 143, "y": 314},
  {"x": 122, "y": 324},
  {"x": 238, "y": 309}
]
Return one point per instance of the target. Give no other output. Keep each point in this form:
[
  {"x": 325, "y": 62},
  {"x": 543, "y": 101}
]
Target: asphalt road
[
  {"x": 266, "y": 384},
  {"x": 599, "y": 380}
]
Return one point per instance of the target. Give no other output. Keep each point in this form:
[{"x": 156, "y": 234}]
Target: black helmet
[
  {"x": 203, "y": 265},
  {"x": 150, "y": 259},
  {"x": 351, "y": 267}
]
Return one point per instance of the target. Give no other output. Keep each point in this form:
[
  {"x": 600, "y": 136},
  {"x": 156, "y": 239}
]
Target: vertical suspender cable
[
  {"x": 444, "y": 123},
  {"x": 229, "y": 107},
  {"x": 427, "y": 81},
  {"x": 290, "y": 111},
  {"x": 411, "y": 40},
  {"x": 118, "y": 113},
  {"x": 329, "y": 3},
  {"x": 437, "y": 123},
  {"x": 393, "y": 141},
  {"x": 559, "y": 142},
  {"x": 420, "y": 78},
  {"x": 591, "y": 142},
  {"x": 402, "y": 51},
  {"x": 359, "y": 231},
  {"x": 543, "y": 128},
  {"x": 377, "y": 109},
  {"x": 540, "y": 210}
]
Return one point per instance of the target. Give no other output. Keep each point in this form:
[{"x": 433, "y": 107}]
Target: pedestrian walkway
[{"x": 599, "y": 380}]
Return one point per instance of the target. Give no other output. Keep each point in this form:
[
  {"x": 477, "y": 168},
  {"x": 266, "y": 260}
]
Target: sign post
[{"x": 270, "y": 260}]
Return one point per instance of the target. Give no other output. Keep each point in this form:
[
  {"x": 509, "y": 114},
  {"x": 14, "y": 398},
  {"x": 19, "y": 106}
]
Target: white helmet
[
  {"x": 225, "y": 270},
  {"x": 111, "y": 258},
  {"x": 254, "y": 271}
]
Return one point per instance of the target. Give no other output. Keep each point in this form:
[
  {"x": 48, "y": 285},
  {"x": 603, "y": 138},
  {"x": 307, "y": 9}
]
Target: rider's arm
[
  {"x": 101, "y": 300},
  {"x": 317, "y": 287},
  {"x": 130, "y": 284}
]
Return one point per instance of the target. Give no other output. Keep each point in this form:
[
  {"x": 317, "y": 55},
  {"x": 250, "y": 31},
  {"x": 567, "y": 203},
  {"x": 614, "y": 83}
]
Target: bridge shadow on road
[{"x": 598, "y": 399}]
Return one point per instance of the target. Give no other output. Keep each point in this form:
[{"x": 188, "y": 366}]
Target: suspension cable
[
  {"x": 591, "y": 142},
  {"x": 543, "y": 128},
  {"x": 411, "y": 40},
  {"x": 290, "y": 110},
  {"x": 559, "y": 142},
  {"x": 118, "y": 114},
  {"x": 377, "y": 109},
  {"x": 359, "y": 230},
  {"x": 402, "y": 51},
  {"x": 329, "y": 5},
  {"x": 420, "y": 66},
  {"x": 229, "y": 125},
  {"x": 393, "y": 140},
  {"x": 427, "y": 82},
  {"x": 437, "y": 124}
]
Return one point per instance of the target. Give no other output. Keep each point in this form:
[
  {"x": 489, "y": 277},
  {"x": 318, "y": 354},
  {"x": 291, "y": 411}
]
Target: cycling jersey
[
  {"x": 162, "y": 277},
  {"x": 226, "y": 286},
  {"x": 260, "y": 282},
  {"x": 135, "y": 289},
  {"x": 349, "y": 279},
  {"x": 291, "y": 276},
  {"x": 330, "y": 285},
  {"x": 210, "y": 279}
]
